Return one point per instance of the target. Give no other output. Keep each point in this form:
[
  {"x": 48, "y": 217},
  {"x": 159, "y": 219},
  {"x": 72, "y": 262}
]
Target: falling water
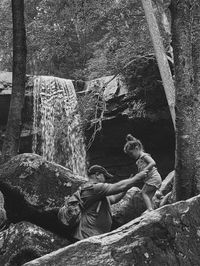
[{"x": 56, "y": 124}]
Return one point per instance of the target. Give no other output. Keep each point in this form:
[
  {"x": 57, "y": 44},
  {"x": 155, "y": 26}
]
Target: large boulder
[
  {"x": 34, "y": 189},
  {"x": 43, "y": 184},
  {"x": 24, "y": 241},
  {"x": 167, "y": 236}
]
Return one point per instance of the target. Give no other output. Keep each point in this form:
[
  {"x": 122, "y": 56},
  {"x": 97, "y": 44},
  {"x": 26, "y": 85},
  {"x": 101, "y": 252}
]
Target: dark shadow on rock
[
  {"x": 24, "y": 256},
  {"x": 18, "y": 209},
  {"x": 24, "y": 241}
]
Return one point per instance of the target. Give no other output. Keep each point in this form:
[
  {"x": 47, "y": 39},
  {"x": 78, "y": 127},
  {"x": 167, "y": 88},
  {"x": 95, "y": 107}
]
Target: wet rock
[
  {"x": 43, "y": 184},
  {"x": 167, "y": 236},
  {"x": 24, "y": 241}
]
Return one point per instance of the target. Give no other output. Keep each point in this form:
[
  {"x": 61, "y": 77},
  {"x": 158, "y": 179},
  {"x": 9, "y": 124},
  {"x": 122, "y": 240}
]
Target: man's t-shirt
[{"x": 96, "y": 218}]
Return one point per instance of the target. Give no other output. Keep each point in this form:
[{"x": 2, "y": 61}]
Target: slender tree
[
  {"x": 185, "y": 99},
  {"x": 195, "y": 10},
  {"x": 161, "y": 57},
  {"x": 13, "y": 130}
]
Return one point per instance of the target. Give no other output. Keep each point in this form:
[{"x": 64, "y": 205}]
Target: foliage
[
  {"x": 91, "y": 108},
  {"x": 6, "y": 35},
  {"x": 144, "y": 88},
  {"x": 126, "y": 37},
  {"x": 78, "y": 39}
]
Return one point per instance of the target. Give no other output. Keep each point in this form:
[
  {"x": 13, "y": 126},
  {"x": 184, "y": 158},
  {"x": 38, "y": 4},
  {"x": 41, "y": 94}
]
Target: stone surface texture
[{"x": 167, "y": 236}]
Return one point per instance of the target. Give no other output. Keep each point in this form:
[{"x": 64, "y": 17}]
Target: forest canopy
[{"x": 80, "y": 39}]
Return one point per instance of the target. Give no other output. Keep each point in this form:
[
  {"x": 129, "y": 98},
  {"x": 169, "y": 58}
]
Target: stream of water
[{"x": 56, "y": 124}]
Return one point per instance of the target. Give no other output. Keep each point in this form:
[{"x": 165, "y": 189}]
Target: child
[{"x": 144, "y": 161}]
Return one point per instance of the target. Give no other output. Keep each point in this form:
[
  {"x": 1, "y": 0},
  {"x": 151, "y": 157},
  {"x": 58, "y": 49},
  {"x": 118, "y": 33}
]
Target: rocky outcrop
[
  {"x": 168, "y": 236},
  {"x": 24, "y": 241}
]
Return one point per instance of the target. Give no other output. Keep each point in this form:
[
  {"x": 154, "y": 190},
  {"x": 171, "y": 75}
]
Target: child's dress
[{"x": 153, "y": 177}]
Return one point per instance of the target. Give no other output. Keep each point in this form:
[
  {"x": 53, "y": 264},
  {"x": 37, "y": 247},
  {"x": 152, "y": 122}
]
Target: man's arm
[
  {"x": 116, "y": 198},
  {"x": 124, "y": 185}
]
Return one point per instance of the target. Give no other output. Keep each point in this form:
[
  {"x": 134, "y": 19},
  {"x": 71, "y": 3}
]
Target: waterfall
[{"x": 56, "y": 124}]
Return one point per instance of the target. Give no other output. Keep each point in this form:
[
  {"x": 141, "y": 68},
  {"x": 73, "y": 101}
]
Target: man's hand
[{"x": 142, "y": 174}]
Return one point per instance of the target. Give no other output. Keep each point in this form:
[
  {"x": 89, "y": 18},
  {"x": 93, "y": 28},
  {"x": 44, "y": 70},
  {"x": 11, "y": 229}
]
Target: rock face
[
  {"x": 24, "y": 241},
  {"x": 168, "y": 236},
  {"x": 43, "y": 184}
]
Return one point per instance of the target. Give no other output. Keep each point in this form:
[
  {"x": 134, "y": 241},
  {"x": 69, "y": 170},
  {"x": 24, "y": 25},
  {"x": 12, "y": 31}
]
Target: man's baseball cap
[{"x": 99, "y": 169}]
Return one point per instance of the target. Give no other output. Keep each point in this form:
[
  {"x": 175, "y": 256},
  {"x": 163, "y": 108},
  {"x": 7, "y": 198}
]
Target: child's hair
[{"x": 132, "y": 143}]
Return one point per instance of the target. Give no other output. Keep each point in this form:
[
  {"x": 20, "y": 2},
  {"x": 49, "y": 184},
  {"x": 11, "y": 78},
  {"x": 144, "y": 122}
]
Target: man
[{"x": 97, "y": 196}]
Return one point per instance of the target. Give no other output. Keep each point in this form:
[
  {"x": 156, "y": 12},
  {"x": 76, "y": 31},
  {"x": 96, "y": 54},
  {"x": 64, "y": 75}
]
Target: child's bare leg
[
  {"x": 151, "y": 194},
  {"x": 148, "y": 192},
  {"x": 147, "y": 201}
]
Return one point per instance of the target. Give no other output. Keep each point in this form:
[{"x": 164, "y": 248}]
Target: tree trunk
[
  {"x": 13, "y": 130},
  {"x": 196, "y": 69},
  {"x": 185, "y": 142},
  {"x": 161, "y": 57}
]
